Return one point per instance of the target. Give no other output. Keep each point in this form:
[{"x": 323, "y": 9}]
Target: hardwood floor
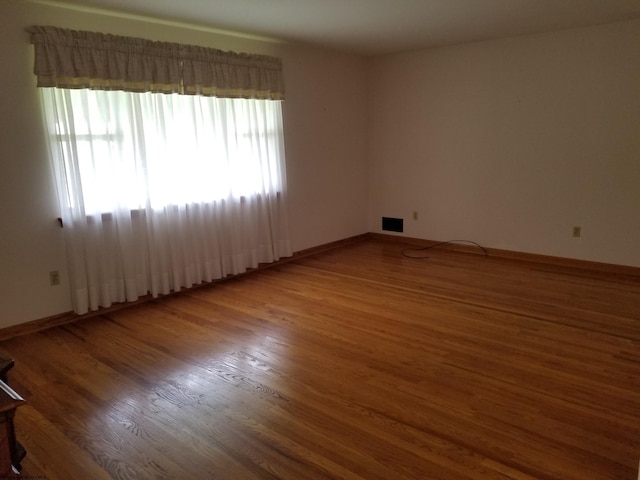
[{"x": 351, "y": 364}]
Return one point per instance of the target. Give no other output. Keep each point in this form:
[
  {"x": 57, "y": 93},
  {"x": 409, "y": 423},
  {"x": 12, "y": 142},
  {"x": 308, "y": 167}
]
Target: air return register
[{"x": 392, "y": 224}]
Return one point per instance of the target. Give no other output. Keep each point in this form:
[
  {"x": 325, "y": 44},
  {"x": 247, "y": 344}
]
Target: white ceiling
[{"x": 372, "y": 27}]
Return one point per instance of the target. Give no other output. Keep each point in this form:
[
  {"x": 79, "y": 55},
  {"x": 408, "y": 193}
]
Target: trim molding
[
  {"x": 533, "y": 258},
  {"x": 69, "y": 317},
  {"x": 579, "y": 266}
]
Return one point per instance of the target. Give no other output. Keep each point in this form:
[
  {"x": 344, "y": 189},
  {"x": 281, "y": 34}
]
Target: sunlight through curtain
[{"x": 160, "y": 191}]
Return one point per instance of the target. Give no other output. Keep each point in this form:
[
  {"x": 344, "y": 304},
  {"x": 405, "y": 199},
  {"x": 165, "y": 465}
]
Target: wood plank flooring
[{"x": 355, "y": 363}]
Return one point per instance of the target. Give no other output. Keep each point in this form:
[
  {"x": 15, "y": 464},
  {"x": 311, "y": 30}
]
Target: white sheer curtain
[{"x": 164, "y": 191}]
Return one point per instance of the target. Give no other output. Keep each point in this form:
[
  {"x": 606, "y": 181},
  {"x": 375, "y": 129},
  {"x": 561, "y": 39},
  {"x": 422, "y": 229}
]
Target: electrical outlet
[
  {"x": 415, "y": 215},
  {"x": 54, "y": 278},
  {"x": 577, "y": 231}
]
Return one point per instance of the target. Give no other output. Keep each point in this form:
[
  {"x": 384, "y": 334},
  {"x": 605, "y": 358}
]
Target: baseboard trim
[
  {"x": 69, "y": 317},
  {"x": 533, "y": 258},
  {"x": 580, "y": 266},
  {"x": 328, "y": 246},
  {"x": 37, "y": 325}
]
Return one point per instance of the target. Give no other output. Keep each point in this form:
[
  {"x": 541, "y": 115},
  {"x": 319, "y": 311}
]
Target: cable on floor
[{"x": 406, "y": 251}]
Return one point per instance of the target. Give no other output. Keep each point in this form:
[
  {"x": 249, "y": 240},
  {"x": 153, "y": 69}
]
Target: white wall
[
  {"x": 325, "y": 131},
  {"x": 512, "y": 142},
  {"x": 508, "y": 143}
]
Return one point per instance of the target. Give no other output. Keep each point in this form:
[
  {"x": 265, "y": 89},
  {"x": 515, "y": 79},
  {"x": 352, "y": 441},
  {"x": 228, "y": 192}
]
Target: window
[
  {"x": 138, "y": 150},
  {"x": 168, "y": 159}
]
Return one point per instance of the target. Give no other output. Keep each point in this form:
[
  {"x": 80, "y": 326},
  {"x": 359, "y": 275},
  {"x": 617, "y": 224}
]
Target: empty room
[{"x": 305, "y": 239}]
